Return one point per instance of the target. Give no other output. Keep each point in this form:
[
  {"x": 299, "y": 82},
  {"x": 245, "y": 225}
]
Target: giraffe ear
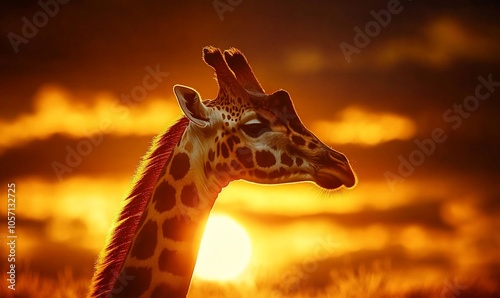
[
  {"x": 190, "y": 102},
  {"x": 281, "y": 103}
]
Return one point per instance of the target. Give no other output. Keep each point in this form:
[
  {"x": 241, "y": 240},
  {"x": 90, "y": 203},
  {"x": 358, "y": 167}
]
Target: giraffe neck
[{"x": 163, "y": 253}]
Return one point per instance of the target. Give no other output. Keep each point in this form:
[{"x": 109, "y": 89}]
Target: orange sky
[{"x": 438, "y": 219}]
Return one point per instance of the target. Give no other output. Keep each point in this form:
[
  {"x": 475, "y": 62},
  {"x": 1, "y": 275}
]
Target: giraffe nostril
[{"x": 337, "y": 156}]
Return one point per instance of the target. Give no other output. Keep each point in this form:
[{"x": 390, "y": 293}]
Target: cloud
[
  {"x": 440, "y": 43},
  {"x": 81, "y": 204},
  {"x": 358, "y": 126},
  {"x": 58, "y": 112},
  {"x": 306, "y": 60}
]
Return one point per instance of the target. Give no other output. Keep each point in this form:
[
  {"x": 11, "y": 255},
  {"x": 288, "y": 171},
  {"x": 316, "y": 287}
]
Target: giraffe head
[{"x": 250, "y": 135}]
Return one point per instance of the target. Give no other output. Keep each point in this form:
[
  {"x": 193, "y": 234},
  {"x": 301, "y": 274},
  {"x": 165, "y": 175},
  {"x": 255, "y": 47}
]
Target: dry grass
[
  {"x": 65, "y": 285},
  {"x": 374, "y": 281}
]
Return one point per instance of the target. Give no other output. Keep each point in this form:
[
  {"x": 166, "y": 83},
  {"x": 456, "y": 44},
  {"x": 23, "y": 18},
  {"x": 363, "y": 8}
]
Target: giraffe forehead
[
  {"x": 233, "y": 108},
  {"x": 232, "y": 112}
]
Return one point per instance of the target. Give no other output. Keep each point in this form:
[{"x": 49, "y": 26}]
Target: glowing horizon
[{"x": 225, "y": 249}]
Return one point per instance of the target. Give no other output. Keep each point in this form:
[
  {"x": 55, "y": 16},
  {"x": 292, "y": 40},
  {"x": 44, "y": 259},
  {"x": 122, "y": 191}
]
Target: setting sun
[{"x": 225, "y": 250}]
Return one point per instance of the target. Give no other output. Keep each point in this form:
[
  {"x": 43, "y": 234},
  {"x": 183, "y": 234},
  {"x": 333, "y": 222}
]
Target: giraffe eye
[{"x": 255, "y": 128}]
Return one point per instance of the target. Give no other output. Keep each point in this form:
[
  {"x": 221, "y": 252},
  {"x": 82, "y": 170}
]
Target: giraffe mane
[{"x": 119, "y": 240}]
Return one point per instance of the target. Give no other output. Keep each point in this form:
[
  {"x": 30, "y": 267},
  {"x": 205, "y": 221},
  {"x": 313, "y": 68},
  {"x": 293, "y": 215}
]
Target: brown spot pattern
[
  {"x": 179, "y": 229},
  {"x": 277, "y": 173},
  {"x": 312, "y": 146},
  {"x": 299, "y": 161},
  {"x": 164, "y": 197},
  {"x": 179, "y": 166},
  {"x": 286, "y": 159},
  {"x": 211, "y": 154},
  {"x": 298, "y": 140},
  {"x": 224, "y": 151},
  {"x": 265, "y": 159},
  {"x": 230, "y": 144},
  {"x": 145, "y": 243},
  {"x": 189, "y": 196},
  {"x": 174, "y": 262}
]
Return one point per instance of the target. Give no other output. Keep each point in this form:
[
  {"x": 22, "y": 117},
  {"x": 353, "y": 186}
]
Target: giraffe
[{"x": 243, "y": 133}]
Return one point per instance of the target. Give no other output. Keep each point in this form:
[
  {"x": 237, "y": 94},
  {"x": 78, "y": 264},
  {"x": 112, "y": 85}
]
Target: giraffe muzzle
[{"x": 334, "y": 171}]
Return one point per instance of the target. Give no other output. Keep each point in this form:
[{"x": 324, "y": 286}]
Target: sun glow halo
[{"x": 225, "y": 250}]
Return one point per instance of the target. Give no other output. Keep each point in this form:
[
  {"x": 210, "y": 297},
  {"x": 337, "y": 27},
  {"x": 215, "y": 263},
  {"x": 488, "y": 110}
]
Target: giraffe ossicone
[{"x": 243, "y": 133}]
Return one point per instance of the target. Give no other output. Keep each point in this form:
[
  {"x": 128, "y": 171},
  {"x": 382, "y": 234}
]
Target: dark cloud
[
  {"x": 105, "y": 46},
  {"x": 51, "y": 258},
  {"x": 116, "y": 157},
  {"x": 422, "y": 212}
]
